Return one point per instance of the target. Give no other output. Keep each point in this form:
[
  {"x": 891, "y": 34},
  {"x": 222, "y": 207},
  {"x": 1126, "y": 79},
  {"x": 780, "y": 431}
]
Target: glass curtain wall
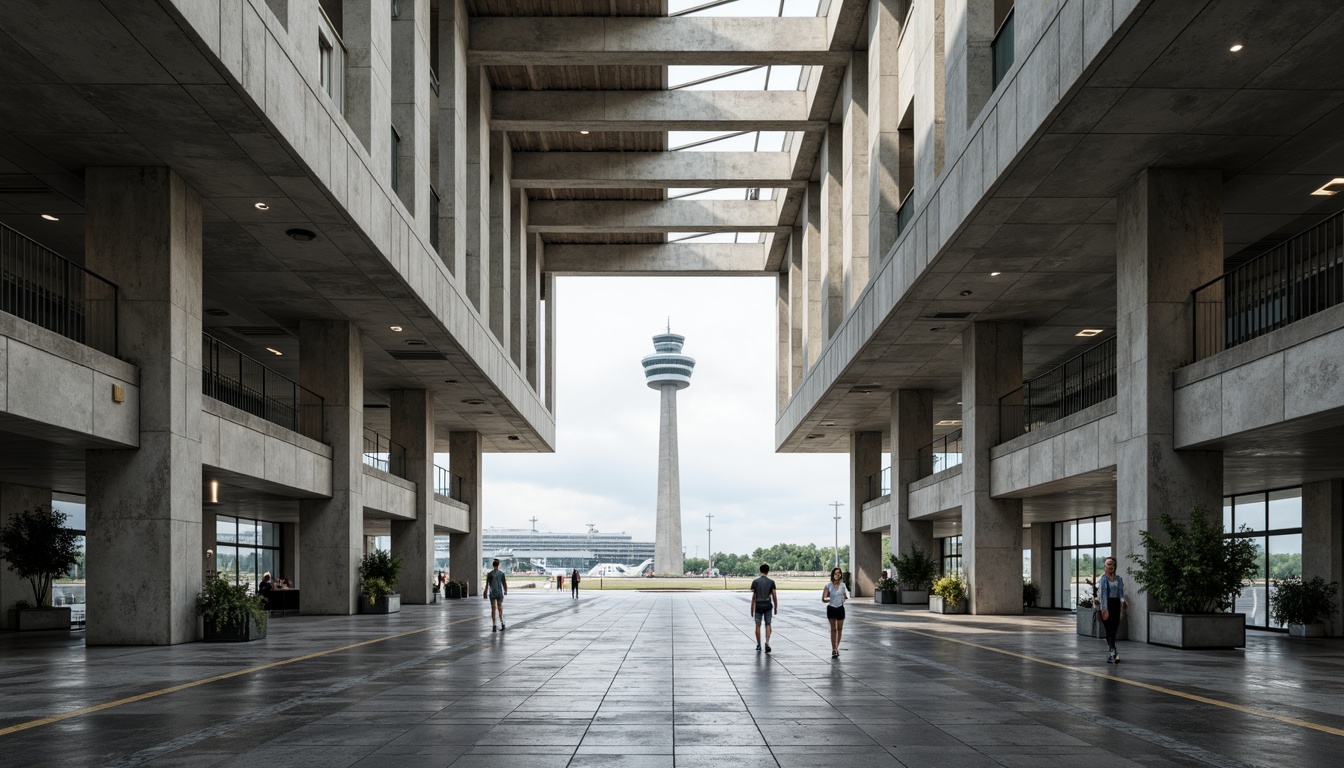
[
  {"x": 245, "y": 549},
  {"x": 951, "y": 555},
  {"x": 1079, "y": 549},
  {"x": 1273, "y": 521}
]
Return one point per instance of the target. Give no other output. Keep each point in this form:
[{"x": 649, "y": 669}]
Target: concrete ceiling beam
[
  {"x": 595, "y": 41},
  {"x": 636, "y": 259},
  {"x": 652, "y": 170},
  {"x": 619, "y": 216},
  {"x": 652, "y": 111}
]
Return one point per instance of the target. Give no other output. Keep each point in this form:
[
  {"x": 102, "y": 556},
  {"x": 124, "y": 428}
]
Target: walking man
[
  {"x": 574, "y": 583},
  {"x": 496, "y": 587},
  {"x": 764, "y": 604}
]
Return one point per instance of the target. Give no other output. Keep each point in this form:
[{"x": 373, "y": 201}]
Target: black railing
[
  {"x": 446, "y": 483},
  {"x": 235, "y": 379},
  {"x": 1080, "y": 382},
  {"x": 44, "y": 288},
  {"x": 1002, "y": 49},
  {"x": 879, "y": 485},
  {"x": 942, "y": 453},
  {"x": 1297, "y": 278},
  {"x": 382, "y": 453}
]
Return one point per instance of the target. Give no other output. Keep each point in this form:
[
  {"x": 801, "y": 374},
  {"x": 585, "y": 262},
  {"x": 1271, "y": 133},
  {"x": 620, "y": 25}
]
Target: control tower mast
[{"x": 667, "y": 370}]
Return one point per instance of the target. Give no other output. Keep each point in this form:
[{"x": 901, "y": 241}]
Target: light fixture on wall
[{"x": 214, "y": 491}]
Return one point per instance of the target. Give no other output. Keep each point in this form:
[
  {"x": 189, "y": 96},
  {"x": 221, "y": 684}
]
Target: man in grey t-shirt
[
  {"x": 764, "y": 604},
  {"x": 496, "y": 587}
]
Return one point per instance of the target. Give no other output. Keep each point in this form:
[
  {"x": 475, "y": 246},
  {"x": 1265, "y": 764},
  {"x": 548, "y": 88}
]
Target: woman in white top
[{"x": 835, "y": 593}]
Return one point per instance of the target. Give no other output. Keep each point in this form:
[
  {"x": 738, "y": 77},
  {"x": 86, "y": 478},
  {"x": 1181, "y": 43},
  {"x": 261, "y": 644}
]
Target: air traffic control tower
[{"x": 667, "y": 370}]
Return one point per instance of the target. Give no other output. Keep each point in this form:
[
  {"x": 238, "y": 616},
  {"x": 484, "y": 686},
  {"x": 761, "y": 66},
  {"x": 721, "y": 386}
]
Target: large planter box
[
  {"x": 234, "y": 633},
  {"x": 885, "y": 597},
  {"x": 939, "y": 605},
  {"x": 1089, "y": 624},
  {"x": 1306, "y": 630},
  {"x": 34, "y": 619},
  {"x": 914, "y": 597},
  {"x": 1197, "y": 630},
  {"x": 389, "y": 604}
]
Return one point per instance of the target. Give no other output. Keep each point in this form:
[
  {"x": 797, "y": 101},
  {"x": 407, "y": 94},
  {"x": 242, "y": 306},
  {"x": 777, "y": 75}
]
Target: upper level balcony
[{"x": 44, "y": 288}]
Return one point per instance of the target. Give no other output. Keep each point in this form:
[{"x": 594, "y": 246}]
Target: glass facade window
[
  {"x": 396, "y": 152},
  {"x": 1080, "y": 547},
  {"x": 330, "y": 60},
  {"x": 1273, "y": 521},
  {"x": 245, "y": 549},
  {"x": 951, "y": 555}
]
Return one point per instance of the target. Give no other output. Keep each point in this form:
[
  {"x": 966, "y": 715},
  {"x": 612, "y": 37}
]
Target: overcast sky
[{"x": 605, "y": 467}]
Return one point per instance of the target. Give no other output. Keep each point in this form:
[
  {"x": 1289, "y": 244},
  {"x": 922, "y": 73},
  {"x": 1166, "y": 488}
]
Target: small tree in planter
[
  {"x": 1196, "y": 575},
  {"x": 378, "y": 574},
  {"x": 1304, "y": 607},
  {"x": 915, "y": 571},
  {"x": 949, "y": 595},
  {"x": 38, "y": 547},
  {"x": 230, "y": 613},
  {"x": 884, "y": 591},
  {"x": 1031, "y": 593}
]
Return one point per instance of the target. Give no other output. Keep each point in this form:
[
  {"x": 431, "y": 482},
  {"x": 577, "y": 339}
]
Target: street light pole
[
  {"x": 709, "y": 533},
  {"x": 837, "y": 506}
]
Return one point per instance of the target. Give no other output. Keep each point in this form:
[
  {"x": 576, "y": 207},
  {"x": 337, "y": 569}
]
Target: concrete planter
[
  {"x": 939, "y": 605},
  {"x": 234, "y": 633},
  {"x": 914, "y": 597},
  {"x": 1089, "y": 624},
  {"x": 885, "y": 597},
  {"x": 36, "y": 619},
  {"x": 1197, "y": 630},
  {"x": 389, "y": 604},
  {"x": 1306, "y": 630}
]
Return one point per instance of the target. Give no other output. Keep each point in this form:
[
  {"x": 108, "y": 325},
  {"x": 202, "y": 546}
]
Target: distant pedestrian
[
  {"x": 764, "y": 604},
  {"x": 559, "y": 582},
  {"x": 835, "y": 593},
  {"x": 574, "y": 583},
  {"x": 496, "y": 587},
  {"x": 1111, "y": 601}
]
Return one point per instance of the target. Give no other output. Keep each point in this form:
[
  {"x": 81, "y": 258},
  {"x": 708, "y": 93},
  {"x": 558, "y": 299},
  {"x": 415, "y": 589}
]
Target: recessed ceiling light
[
  {"x": 415, "y": 342},
  {"x": 958, "y": 402},
  {"x": 302, "y": 235},
  {"x": 275, "y": 351},
  {"x": 262, "y": 207},
  {"x": 474, "y": 401},
  {"x": 949, "y": 423},
  {"x": 828, "y": 423},
  {"x": 1236, "y": 48},
  {"x": 965, "y": 293},
  {"x": 396, "y": 329},
  {"x": 514, "y": 437},
  {"x": 1330, "y": 187},
  {"x": 937, "y": 328},
  {"x": 1087, "y": 332},
  {"x": 995, "y": 274},
  {"x": 216, "y": 313},
  {"x": 450, "y": 381},
  {"x": 584, "y": 133},
  {"x": 815, "y": 435},
  {"x": 49, "y": 217}
]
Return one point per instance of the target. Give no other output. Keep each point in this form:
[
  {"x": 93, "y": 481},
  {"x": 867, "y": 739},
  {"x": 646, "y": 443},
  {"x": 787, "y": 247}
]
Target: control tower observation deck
[{"x": 667, "y": 370}]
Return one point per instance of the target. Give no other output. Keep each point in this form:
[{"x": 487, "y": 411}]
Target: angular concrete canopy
[
  {"x": 653, "y": 170},
  {"x": 635, "y": 259},
  {"x": 669, "y": 216},
  {"x": 652, "y": 111}
]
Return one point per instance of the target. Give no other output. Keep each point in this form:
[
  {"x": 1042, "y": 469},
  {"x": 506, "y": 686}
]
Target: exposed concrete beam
[
  {"x": 652, "y": 111},
  {"x": 594, "y": 41},
  {"x": 635, "y": 259},
  {"x": 652, "y": 170},
  {"x": 588, "y": 216}
]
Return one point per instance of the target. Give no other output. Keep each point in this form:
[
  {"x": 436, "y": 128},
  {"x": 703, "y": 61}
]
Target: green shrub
[
  {"x": 223, "y": 605},
  {"x": 885, "y": 585},
  {"x": 1031, "y": 593},
  {"x": 914, "y": 569},
  {"x": 952, "y": 588},
  {"x": 1197, "y": 569},
  {"x": 378, "y": 574},
  {"x": 375, "y": 589},
  {"x": 1295, "y": 601}
]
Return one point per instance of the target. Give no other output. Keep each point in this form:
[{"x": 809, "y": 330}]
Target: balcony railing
[
  {"x": 942, "y": 453},
  {"x": 1080, "y": 382},
  {"x": 879, "y": 485},
  {"x": 381, "y": 452},
  {"x": 1296, "y": 279},
  {"x": 235, "y": 379},
  {"x": 44, "y": 288},
  {"x": 1002, "y": 49},
  {"x": 905, "y": 213},
  {"x": 446, "y": 483}
]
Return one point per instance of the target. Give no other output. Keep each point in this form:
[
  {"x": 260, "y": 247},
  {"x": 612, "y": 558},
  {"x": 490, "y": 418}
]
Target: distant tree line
[{"x": 780, "y": 557}]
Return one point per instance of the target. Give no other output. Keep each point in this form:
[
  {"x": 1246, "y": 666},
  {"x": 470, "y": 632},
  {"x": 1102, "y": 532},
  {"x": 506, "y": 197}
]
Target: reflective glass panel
[
  {"x": 226, "y": 563},
  {"x": 1250, "y": 512},
  {"x": 1227, "y": 514},
  {"x": 1086, "y": 532},
  {"x": 1285, "y": 509},
  {"x": 270, "y": 534},
  {"x": 1104, "y": 530},
  {"x": 247, "y": 566},
  {"x": 226, "y": 530}
]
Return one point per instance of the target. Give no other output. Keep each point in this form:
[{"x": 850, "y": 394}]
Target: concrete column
[
  {"x": 464, "y": 549},
  {"x": 991, "y": 528},
  {"x": 797, "y": 308},
  {"x": 367, "y": 34},
  {"x": 865, "y": 549},
  {"x": 331, "y": 531},
  {"x": 911, "y": 430},
  {"x": 413, "y": 427},
  {"x": 854, "y": 95},
  {"x": 500, "y": 203},
  {"x": 452, "y": 135},
  {"x": 144, "y": 546},
  {"x": 289, "y": 552},
  {"x": 832, "y": 228},
  {"x": 814, "y": 263},
  {"x": 933, "y": 92},
  {"x": 884, "y": 156},
  {"x": 517, "y": 318},
  {"x": 532, "y": 276},
  {"x": 1323, "y": 536},
  {"x": 548, "y": 286},
  {"x": 1042, "y": 543},
  {"x": 1169, "y": 234},
  {"x": 783, "y": 333},
  {"x": 13, "y": 500},
  {"x": 667, "y": 555},
  {"x": 410, "y": 94},
  {"x": 477, "y": 190}
]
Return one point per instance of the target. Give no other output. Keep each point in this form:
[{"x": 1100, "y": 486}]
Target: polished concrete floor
[{"x": 661, "y": 680}]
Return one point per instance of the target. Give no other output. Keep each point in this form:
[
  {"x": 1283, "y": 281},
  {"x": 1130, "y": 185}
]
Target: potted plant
[
  {"x": 1031, "y": 593},
  {"x": 1304, "y": 607},
  {"x": 378, "y": 574},
  {"x": 915, "y": 571},
  {"x": 949, "y": 595},
  {"x": 38, "y": 547},
  {"x": 884, "y": 591},
  {"x": 230, "y": 614},
  {"x": 1195, "y": 575}
]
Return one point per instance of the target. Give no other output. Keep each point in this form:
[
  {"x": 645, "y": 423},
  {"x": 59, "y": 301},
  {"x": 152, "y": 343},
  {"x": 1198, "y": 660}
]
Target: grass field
[{"x": 730, "y": 583}]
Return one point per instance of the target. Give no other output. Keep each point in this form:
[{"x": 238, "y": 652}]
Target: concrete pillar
[
  {"x": 854, "y": 95},
  {"x": 477, "y": 191},
  {"x": 1169, "y": 234},
  {"x": 991, "y": 528},
  {"x": 832, "y": 228},
  {"x": 410, "y": 94},
  {"x": 532, "y": 326},
  {"x": 289, "y": 552},
  {"x": 1042, "y": 543},
  {"x": 783, "y": 333},
  {"x": 884, "y": 157},
  {"x": 667, "y": 554},
  {"x": 911, "y": 430},
  {"x": 517, "y": 318},
  {"x": 1323, "y": 536},
  {"x": 464, "y": 549},
  {"x": 865, "y": 549},
  {"x": 367, "y": 34},
  {"x": 452, "y": 135},
  {"x": 933, "y": 91},
  {"x": 144, "y": 546},
  {"x": 331, "y": 531},
  {"x": 797, "y": 308},
  {"x": 500, "y": 203},
  {"x": 15, "y": 499},
  {"x": 548, "y": 287},
  {"x": 814, "y": 264},
  {"x": 413, "y": 540}
]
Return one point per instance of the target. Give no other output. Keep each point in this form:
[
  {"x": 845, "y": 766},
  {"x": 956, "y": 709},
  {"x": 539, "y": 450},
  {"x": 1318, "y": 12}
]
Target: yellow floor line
[
  {"x": 1126, "y": 681},
  {"x": 216, "y": 678}
]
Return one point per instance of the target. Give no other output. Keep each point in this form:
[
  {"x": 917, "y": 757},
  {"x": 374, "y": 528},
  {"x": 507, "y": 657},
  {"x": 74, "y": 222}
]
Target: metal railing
[
  {"x": 942, "y": 453},
  {"x": 1295, "y": 279},
  {"x": 44, "y": 288},
  {"x": 235, "y": 379},
  {"x": 1003, "y": 49},
  {"x": 446, "y": 483},
  {"x": 1080, "y": 382},
  {"x": 381, "y": 452},
  {"x": 879, "y": 485}
]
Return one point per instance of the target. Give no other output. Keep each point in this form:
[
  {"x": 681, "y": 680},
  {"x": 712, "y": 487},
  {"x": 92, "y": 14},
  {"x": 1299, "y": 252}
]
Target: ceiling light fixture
[
  {"x": 514, "y": 437},
  {"x": 1089, "y": 332},
  {"x": 261, "y": 206},
  {"x": 949, "y": 423},
  {"x": 584, "y": 133},
  {"x": 216, "y": 313},
  {"x": 450, "y": 381},
  {"x": 815, "y": 435},
  {"x": 49, "y": 217},
  {"x": 415, "y": 342},
  {"x": 474, "y": 401},
  {"x": 1330, "y": 187},
  {"x": 302, "y": 235},
  {"x": 275, "y": 351},
  {"x": 396, "y": 329},
  {"x": 995, "y": 274},
  {"x": 965, "y": 293},
  {"x": 1236, "y": 48},
  {"x": 937, "y": 328}
]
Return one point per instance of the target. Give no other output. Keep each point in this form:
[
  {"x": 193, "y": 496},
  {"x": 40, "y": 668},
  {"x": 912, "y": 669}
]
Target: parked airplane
[{"x": 620, "y": 570}]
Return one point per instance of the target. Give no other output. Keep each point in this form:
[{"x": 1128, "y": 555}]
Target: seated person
[{"x": 266, "y": 584}]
